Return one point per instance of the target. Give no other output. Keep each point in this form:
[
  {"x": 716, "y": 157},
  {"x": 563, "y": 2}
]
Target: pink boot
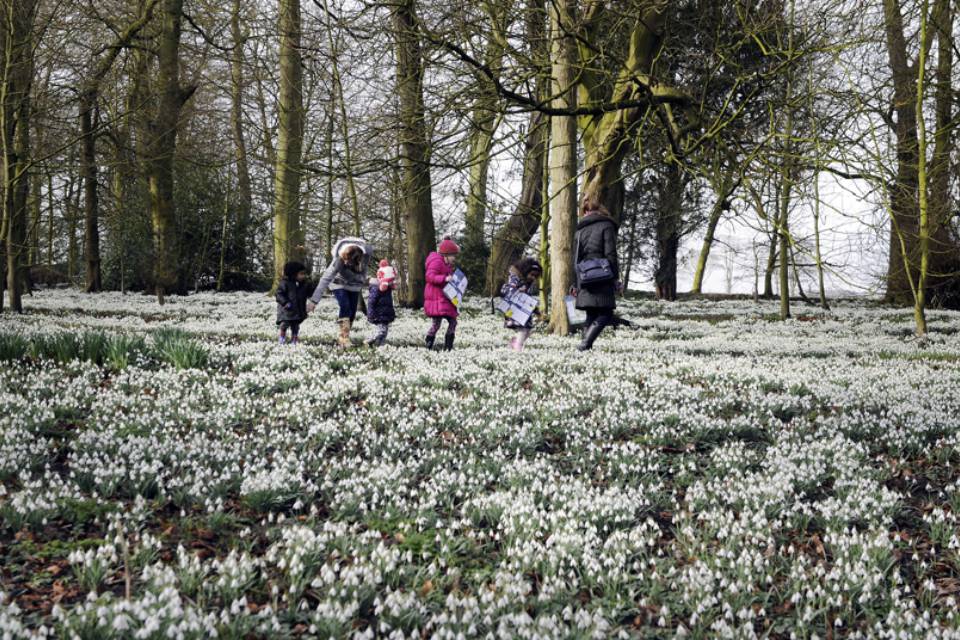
[{"x": 517, "y": 343}]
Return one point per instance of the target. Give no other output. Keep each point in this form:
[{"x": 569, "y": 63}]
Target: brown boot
[{"x": 344, "y": 340}]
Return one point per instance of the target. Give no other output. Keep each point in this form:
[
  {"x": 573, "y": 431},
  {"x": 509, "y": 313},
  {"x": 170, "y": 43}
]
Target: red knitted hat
[{"x": 449, "y": 247}]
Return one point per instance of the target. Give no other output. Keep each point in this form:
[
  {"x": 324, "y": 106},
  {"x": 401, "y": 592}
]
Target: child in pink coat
[{"x": 440, "y": 267}]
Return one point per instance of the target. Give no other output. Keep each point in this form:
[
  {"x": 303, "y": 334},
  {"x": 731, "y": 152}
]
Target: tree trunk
[
  {"x": 36, "y": 213},
  {"x": 88, "y": 175},
  {"x": 816, "y": 238},
  {"x": 784, "y": 267},
  {"x": 943, "y": 286},
  {"x": 51, "y": 209},
  {"x": 511, "y": 240},
  {"x": 668, "y": 234},
  {"x": 288, "y": 235},
  {"x": 241, "y": 241},
  {"x": 16, "y": 24},
  {"x": 631, "y": 251},
  {"x": 544, "y": 249},
  {"x": 923, "y": 240},
  {"x": 715, "y": 214},
  {"x": 344, "y": 121},
  {"x": 563, "y": 163},
  {"x": 328, "y": 227},
  {"x": 475, "y": 251},
  {"x": 160, "y": 141},
  {"x": 606, "y": 138},
  {"x": 70, "y": 209},
  {"x": 485, "y": 120},
  {"x": 397, "y": 248},
  {"x": 415, "y": 185},
  {"x": 89, "y": 95},
  {"x": 783, "y": 218},
  {"x": 903, "y": 272},
  {"x": 771, "y": 265}
]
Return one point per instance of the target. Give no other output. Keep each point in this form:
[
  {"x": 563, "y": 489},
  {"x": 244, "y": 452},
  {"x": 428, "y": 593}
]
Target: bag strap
[{"x": 576, "y": 257}]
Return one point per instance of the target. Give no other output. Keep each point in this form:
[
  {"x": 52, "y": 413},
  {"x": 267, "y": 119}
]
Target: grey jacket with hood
[{"x": 340, "y": 276}]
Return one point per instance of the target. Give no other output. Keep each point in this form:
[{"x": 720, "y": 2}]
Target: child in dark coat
[
  {"x": 380, "y": 311},
  {"x": 523, "y": 277},
  {"x": 292, "y": 301}
]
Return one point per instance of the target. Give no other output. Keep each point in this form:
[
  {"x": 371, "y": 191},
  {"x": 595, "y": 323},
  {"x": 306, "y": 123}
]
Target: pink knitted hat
[{"x": 449, "y": 247}]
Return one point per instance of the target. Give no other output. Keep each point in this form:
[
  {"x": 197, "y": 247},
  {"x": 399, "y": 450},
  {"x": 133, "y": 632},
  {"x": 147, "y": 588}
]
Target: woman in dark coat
[{"x": 596, "y": 238}]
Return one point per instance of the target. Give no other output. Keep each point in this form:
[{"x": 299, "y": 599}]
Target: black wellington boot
[
  {"x": 448, "y": 342},
  {"x": 590, "y": 334},
  {"x": 429, "y": 341}
]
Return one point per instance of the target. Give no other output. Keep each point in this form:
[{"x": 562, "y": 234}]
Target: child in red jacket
[{"x": 440, "y": 266}]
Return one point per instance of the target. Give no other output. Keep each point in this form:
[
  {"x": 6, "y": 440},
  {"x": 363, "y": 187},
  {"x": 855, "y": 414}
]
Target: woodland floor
[{"x": 173, "y": 472}]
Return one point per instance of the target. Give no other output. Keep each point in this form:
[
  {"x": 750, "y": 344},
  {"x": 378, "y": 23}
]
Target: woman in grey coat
[
  {"x": 596, "y": 238},
  {"x": 346, "y": 277}
]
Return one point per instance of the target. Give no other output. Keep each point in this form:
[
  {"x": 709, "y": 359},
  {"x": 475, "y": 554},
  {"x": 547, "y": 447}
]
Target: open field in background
[{"x": 171, "y": 472}]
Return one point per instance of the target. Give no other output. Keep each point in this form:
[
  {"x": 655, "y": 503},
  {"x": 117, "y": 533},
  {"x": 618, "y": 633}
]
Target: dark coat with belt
[
  {"x": 380, "y": 305},
  {"x": 291, "y": 301},
  {"x": 597, "y": 238}
]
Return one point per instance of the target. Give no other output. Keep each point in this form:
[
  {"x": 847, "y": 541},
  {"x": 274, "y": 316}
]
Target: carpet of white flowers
[{"x": 706, "y": 472}]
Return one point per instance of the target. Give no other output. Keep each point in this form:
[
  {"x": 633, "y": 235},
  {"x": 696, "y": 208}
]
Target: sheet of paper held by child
[
  {"x": 456, "y": 288},
  {"x": 575, "y": 317},
  {"x": 518, "y": 307}
]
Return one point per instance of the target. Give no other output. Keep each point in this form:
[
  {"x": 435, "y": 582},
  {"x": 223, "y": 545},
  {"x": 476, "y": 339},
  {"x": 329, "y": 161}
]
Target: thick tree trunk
[
  {"x": 241, "y": 241},
  {"x": 16, "y": 24},
  {"x": 606, "y": 138},
  {"x": 943, "y": 286},
  {"x": 668, "y": 234},
  {"x": 415, "y": 183},
  {"x": 563, "y": 163},
  {"x": 903, "y": 271},
  {"x": 288, "y": 235},
  {"x": 160, "y": 146}
]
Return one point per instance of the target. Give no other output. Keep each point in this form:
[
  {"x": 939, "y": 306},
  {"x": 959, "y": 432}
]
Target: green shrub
[
  {"x": 176, "y": 348},
  {"x": 13, "y": 347},
  {"x": 62, "y": 347},
  {"x": 121, "y": 349},
  {"x": 93, "y": 347}
]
